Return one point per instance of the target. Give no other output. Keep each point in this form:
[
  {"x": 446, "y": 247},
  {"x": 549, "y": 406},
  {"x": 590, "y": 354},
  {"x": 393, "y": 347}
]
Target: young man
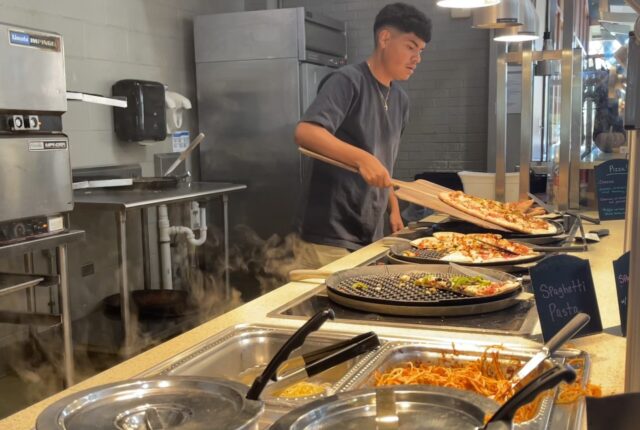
[{"x": 357, "y": 118}]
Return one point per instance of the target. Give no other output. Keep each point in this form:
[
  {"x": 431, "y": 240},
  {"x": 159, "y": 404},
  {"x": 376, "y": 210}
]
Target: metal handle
[
  {"x": 547, "y": 380},
  {"x": 295, "y": 341},
  {"x": 567, "y": 332},
  {"x": 567, "y": 248}
]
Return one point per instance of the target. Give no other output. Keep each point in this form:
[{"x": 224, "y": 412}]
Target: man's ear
[{"x": 384, "y": 35}]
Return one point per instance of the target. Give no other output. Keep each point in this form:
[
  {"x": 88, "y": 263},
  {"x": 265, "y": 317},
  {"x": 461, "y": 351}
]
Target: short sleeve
[
  {"x": 333, "y": 102},
  {"x": 405, "y": 119}
]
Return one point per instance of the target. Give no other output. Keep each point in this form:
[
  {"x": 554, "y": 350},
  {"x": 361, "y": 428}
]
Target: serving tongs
[
  {"x": 312, "y": 363},
  {"x": 318, "y": 361}
]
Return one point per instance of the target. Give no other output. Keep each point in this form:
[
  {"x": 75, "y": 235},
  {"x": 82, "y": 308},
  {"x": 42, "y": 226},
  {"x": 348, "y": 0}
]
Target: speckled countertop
[{"x": 607, "y": 350}]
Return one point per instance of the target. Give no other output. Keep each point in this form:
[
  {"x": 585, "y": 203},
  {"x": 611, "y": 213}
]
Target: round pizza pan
[
  {"x": 409, "y": 299},
  {"x": 426, "y": 311},
  {"x": 396, "y": 252}
]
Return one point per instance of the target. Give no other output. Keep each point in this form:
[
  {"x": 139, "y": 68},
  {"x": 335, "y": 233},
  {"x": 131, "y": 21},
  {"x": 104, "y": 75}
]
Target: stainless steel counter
[
  {"x": 121, "y": 200},
  {"x": 125, "y": 198}
]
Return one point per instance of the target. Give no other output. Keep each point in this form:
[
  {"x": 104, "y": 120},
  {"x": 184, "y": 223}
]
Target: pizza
[
  {"x": 476, "y": 286},
  {"x": 471, "y": 248},
  {"x": 497, "y": 241},
  {"x": 502, "y": 214}
]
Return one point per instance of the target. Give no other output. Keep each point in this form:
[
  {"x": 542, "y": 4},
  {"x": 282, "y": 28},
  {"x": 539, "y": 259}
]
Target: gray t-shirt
[{"x": 339, "y": 208}]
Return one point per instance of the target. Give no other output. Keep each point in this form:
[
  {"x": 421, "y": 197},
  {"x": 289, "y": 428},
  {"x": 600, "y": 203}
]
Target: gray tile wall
[
  {"x": 109, "y": 40},
  {"x": 448, "y": 92}
]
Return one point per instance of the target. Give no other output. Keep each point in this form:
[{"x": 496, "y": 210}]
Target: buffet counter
[{"x": 607, "y": 349}]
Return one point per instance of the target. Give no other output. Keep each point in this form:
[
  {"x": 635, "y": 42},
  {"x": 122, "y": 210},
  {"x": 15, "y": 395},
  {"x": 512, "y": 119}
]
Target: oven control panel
[
  {"x": 23, "y": 122},
  {"x": 29, "y": 228}
]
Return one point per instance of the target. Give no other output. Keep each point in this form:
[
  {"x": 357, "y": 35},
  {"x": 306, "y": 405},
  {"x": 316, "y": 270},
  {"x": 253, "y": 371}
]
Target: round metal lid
[
  {"x": 402, "y": 407},
  {"x": 158, "y": 403}
]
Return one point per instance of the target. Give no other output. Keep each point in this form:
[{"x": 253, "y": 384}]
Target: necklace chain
[{"x": 385, "y": 99}]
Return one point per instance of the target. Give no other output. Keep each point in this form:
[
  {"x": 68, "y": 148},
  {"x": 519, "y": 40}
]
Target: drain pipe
[
  {"x": 165, "y": 231},
  {"x": 164, "y": 237},
  {"x": 190, "y": 235}
]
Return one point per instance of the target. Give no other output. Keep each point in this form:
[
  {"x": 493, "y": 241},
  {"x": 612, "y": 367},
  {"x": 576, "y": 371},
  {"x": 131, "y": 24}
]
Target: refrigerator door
[
  {"x": 310, "y": 77},
  {"x": 248, "y": 110}
]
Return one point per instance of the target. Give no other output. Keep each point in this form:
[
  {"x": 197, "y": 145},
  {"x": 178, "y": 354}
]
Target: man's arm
[
  {"x": 317, "y": 139},
  {"x": 395, "y": 219}
]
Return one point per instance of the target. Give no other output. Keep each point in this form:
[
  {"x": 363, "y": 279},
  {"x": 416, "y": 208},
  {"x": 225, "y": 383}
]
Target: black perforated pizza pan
[{"x": 384, "y": 294}]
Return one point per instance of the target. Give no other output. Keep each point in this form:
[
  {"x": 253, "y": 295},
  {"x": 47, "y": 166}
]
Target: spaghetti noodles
[
  {"x": 487, "y": 376},
  {"x": 569, "y": 393}
]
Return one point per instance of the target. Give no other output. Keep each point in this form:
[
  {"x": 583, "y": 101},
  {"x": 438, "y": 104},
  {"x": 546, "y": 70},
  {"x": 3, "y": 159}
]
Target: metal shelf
[
  {"x": 20, "y": 248},
  {"x": 11, "y": 283}
]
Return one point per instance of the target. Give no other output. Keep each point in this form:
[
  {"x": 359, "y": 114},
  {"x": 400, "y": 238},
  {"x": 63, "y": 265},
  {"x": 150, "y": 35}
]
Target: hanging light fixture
[
  {"x": 505, "y": 14},
  {"x": 527, "y": 31},
  {"x": 467, "y": 4}
]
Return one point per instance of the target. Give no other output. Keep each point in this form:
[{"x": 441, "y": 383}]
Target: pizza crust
[{"x": 447, "y": 197}]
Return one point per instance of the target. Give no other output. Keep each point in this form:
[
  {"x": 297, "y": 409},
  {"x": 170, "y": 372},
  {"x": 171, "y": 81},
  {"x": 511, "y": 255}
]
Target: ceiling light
[
  {"x": 505, "y": 14},
  {"x": 467, "y": 4},
  {"x": 527, "y": 31}
]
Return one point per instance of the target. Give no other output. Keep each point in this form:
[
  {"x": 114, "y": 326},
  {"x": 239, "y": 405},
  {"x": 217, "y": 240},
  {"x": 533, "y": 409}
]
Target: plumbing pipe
[
  {"x": 165, "y": 247},
  {"x": 190, "y": 235},
  {"x": 165, "y": 231}
]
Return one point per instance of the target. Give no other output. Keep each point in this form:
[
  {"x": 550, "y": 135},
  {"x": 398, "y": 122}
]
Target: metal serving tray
[
  {"x": 241, "y": 353},
  {"x": 393, "y": 354}
]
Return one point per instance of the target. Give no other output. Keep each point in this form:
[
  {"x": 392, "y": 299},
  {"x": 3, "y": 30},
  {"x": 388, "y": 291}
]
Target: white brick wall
[
  {"x": 109, "y": 40},
  {"x": 448, "y": 91}
]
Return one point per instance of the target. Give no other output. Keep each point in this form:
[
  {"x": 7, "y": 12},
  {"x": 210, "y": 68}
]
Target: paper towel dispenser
[{"x": 144, "y": 118}]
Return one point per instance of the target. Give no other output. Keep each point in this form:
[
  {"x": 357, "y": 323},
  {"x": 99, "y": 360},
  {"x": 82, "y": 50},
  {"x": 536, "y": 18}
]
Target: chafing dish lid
[
  {"x": 159, "y": 403},
  {"x": 403, "y": 407}
]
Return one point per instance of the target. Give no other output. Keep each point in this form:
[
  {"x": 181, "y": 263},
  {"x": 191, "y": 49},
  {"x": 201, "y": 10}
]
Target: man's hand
[
  {"x": 373, "y": 172},
  {"x": 395, "y": 221}
]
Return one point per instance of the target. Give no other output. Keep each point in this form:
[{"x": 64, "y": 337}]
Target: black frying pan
[
  {"x": 155, "y": 303},
  {"x": 155, "y": 183}
]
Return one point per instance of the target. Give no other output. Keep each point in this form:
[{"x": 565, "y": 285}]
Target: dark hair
[{"x": 405, "y": 18}]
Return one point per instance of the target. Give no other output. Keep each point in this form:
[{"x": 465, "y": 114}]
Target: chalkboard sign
[
  {"x": 563, "y": 286},
  {"x": 611, "y": 188},
  {"x": 621, "y": 270}
]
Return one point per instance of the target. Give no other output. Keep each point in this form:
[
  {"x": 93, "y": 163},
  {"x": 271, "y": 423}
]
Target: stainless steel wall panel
[{"x": 248, "y": 111}]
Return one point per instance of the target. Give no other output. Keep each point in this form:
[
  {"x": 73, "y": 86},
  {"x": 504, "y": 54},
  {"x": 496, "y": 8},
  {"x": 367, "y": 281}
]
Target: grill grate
[{"x": 390, "y": 287}]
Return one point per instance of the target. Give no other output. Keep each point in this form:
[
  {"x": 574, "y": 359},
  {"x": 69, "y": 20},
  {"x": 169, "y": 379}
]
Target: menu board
[
  {"x": 563, "y": 287},
  {"x": 621, "y": 271},
  {"x": 611, "y": 188}
]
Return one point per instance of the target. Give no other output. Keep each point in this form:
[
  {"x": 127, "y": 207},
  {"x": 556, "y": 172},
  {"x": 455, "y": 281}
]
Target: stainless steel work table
[
  {"x": 58, "y": 241},
  {"x": 121, "y": 200}
]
